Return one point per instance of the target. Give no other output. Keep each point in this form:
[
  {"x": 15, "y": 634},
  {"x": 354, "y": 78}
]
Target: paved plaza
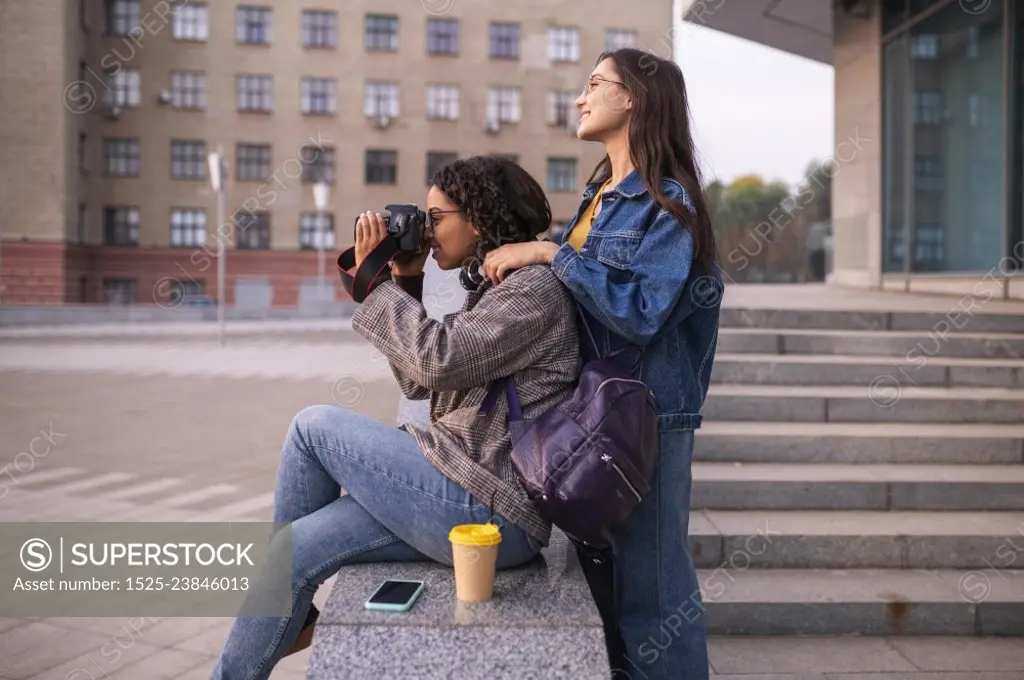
[{"x": 159, "y": 423}]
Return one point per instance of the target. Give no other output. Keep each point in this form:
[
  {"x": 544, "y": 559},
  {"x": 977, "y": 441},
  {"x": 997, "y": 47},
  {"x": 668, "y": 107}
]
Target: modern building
[
  {"x": 111, "y": 108},
  {"x": 929, "y": 132}
]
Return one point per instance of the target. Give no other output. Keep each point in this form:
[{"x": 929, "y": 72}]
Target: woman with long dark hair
[
  {"x": 408, "y": 487},
  {"x": 639, "y": 258}
]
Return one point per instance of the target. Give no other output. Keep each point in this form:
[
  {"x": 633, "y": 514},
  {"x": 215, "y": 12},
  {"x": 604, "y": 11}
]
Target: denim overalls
[{"x": 641, "y": 291}]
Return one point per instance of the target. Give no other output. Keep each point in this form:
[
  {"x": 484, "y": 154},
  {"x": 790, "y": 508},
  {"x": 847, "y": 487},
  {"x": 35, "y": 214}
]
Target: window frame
[
  {"x": 191, "y": 228},
  {"x": 113, "y": 226},
  {"x": 248, "y": 18},
  {"x": 254, "y": 86},
  {"x": 378, "y": 173},
  {"x": 380, "y": 32},
  {"x": 318, "y": 23}
]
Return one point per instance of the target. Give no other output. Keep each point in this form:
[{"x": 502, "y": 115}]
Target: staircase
[{"x": 862, "y": 473}]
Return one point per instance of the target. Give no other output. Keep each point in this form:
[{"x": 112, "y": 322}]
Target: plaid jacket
[{"x": 525, "y": 326}]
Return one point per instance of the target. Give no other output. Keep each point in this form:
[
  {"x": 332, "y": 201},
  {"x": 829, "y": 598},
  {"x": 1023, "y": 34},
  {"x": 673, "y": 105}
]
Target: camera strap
[{"x": 371, "y": 273}]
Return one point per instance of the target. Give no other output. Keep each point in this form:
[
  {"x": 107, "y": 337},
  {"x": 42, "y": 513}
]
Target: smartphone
[{"x": 395, "y": 596}]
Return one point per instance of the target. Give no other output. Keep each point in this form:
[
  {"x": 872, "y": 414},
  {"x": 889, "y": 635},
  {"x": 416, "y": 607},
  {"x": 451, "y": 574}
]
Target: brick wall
[{"x": 55, "y": 273}]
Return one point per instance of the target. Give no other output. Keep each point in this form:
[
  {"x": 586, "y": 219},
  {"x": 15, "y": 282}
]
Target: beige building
[
  {"x": 110, "y": 108},
  {"x": 928, "y": 172}
]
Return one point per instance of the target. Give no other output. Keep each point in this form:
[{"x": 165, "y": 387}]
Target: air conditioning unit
[
  {"x": 112, "y": 111},
  {"x": 164, "y": 98},
  {"x": 382, "y": 122},
  {"x": 491, "y": 126}
]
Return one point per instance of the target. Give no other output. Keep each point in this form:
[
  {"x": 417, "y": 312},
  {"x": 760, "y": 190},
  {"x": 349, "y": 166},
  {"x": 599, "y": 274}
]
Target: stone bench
[{"x": 541, "y": 623}]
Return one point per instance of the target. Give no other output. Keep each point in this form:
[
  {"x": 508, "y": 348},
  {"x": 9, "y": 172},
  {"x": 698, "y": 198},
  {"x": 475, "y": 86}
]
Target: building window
[
  {"x": 381, "y": 166},
  {"x": 314, "y": 228},
  {"x": 437, "y": 160},
  {"x": 929, "y": 246},
  {"x": 946, "y": 140},
  {"x": 188, "y": 89},
  {"x": 121, "y": 226},
  {"x": 618, "y": 38},
  {"x": 183, "y": 290},
  {"x": 503, "y": 104},
  {"x": 252, "y": 25},
  {"x": 188, "y": 227},
  {"x": 928, "y": 173},
  {"x": 319, "y": 29},
  {"x": 317, "y": 164},
  {"x": 319, "y": 96},
  {"x": 188, "y": 159},
  {"x": 121, "y": 157},
  {"x": 443, "y": 102},
  {"x": 924, "y": 47},
  {"x": 125, "y": 88},
  {"x": 504, "y": 40},
  {"x": 561, "y": 174},
  {"x": 929, "y": 107},
  {"x": 562, "y": 108},
  {"x": 252, "y": 162},
  {"x": 120, "y": 291},
  {"x": 255, "y": 93},
  {"x": 443, "y": 36},
  {"x": 381, "y": 33},
  {"x": 563, "y": 44},
  {"x": 253, "y": 230},
  {"x": 122, "y": 16},
  {"x": 191, "y": 22},
  {"x": 380, "y": 99}
]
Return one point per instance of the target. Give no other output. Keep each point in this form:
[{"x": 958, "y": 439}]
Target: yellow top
[
  {"x": 475, "y": 534},
  {"x": 582, "y": 228}
]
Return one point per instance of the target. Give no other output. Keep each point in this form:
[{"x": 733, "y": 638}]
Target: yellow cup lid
[{"x": 475, "y": 534}]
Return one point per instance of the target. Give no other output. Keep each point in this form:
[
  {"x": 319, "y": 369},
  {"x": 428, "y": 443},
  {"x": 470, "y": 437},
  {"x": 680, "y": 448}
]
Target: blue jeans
[
  {"x": 659, "y": 610},
  {"x": 399, "y": 508}
]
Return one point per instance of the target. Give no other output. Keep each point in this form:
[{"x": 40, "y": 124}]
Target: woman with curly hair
[{"x": 407, "y": 487}]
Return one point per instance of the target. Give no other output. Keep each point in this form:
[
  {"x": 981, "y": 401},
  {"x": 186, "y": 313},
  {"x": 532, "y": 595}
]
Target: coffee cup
[{"x": 474, "y": 556}]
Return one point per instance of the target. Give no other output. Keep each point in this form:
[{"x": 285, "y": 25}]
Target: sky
[{"x": 755, "y": 109}]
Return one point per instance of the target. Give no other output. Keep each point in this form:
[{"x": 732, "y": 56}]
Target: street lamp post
[
  {"x": 321, "y": 197},
  {"x": 218, "y": 175}
]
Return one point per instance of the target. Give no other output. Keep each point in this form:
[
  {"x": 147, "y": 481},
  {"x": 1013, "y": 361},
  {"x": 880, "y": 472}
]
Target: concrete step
[
  {"x": 781, "y": 486},
  {"x": 785, "y": 442},
  {"x": 911, "y": 346},
  {"x": 857, "y": 539},
  {"x": 952, "y": 320},
  {"x": 881, "y": 402},
  {"x": 862, "y": 602},
  {"x": 832, "y": 369}
]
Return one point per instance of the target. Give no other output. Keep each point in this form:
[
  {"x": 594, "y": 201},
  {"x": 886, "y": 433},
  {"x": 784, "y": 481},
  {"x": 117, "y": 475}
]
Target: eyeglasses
[
  {"x": 595, "y": 81},
  {"x": 432, "y": 217}
]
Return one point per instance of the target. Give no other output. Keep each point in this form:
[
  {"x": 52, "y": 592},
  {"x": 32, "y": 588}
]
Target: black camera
[{"x": 406, "y": 224}]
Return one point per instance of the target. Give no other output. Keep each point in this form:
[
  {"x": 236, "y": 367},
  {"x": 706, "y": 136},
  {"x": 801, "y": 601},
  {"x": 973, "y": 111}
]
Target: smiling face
[
  {"x": 605, "y": 107},
  {"x": 453, "y": 238}
]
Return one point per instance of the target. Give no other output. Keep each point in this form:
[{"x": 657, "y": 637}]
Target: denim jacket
[{"x": 641, "y": 292}]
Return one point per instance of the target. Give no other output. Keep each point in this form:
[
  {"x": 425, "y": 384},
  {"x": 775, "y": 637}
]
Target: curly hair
[{"x": 503, "y": 201}]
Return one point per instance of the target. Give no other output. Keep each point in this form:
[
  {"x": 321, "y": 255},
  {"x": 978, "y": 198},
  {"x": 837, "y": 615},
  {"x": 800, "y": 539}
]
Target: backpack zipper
[{"x": 608, "y": 459}]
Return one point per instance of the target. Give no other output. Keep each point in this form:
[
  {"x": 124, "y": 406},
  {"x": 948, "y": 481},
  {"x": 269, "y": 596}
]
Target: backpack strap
[{"x": 515, "y": 412}]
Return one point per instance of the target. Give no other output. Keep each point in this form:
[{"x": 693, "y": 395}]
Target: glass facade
[{"x": 946, "y": 109}]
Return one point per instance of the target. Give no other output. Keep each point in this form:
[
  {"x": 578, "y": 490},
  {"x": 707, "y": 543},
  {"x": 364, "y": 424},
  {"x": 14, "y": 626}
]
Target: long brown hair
[{"x": 661, "y": 145}]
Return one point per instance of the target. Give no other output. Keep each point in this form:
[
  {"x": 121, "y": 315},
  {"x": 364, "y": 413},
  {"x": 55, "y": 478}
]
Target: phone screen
[{"x": 395, "y": 592}]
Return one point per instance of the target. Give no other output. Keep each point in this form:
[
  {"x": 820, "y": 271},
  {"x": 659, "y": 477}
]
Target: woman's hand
[
  {"x": 370, "y": 231},
  {"x": 500, "y": 261},
  {"x": 410, "y": 264}
]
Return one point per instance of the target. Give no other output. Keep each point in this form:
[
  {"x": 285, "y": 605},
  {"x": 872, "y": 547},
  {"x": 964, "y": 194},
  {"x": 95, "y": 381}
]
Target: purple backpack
[{"x": 587, "y": 462}]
